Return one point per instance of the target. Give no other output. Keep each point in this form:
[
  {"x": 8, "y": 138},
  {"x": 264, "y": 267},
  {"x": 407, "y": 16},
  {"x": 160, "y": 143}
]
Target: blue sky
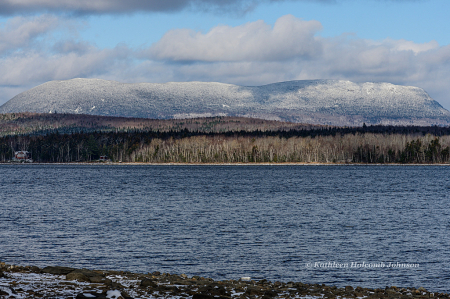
[
  {"x": 242, "y": 42},
  {"x": 418, "y": 21}
]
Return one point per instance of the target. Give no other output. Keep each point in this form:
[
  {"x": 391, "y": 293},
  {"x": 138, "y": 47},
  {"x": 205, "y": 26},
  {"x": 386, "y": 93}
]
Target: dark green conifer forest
[{"x": 368, "y": 144}]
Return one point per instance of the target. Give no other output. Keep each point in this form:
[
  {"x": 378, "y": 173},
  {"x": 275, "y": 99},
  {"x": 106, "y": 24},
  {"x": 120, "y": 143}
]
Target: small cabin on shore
[{"x": 22, "y": 156}]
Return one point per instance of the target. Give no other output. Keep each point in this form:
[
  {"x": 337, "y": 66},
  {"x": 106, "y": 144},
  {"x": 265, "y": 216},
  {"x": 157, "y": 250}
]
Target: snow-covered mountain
[{"x": 332, "y": 102}]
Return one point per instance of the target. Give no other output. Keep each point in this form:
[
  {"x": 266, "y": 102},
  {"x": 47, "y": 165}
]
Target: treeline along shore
[{"x": 367, "y": 144}]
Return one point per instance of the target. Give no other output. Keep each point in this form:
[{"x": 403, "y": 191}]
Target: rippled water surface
[{"x": 274, "y": 222}]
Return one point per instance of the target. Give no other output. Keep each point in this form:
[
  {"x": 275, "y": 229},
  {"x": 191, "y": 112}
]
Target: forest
[
  {"x": 367, "y": 144},
  {"x": 46, "y": 123}
]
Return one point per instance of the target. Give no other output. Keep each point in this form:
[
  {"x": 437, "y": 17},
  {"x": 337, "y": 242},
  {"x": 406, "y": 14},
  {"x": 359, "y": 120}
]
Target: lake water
[{"x": 339, "y": 225}]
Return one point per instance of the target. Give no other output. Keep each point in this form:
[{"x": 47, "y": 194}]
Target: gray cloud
[
  {"x": 120, "y": 6},
  {"x": 10, "y": 7}
]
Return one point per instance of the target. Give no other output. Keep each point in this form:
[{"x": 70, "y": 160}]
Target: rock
[
  {"x": 97, "y": 279},
  {"x": 3, "y": 293},
  {"x": 125, "y": 295},
  {"x": 116, "y": 285},
  {"x": 35, "y": 269},
  {"x": 108, "y": 282},
  {"x": 148, "y": 283},
  {"x": 251, "y": 290},
  {"x": 58, "y": 270},
  {"x": 269, "y": 294},
  {"x": 214, "y": 289},
  {"x": 186, "y": 282},
  {"x": 174, "y": 277},
  {"x": 14, "y": 268},
  {"x": 91, "y": 295},
  {"x": 78, "y": 276},
  {"x": 173, "y": 289},
  {"x": 86, "y": 276},
  {"x": 262, "y": 282}
]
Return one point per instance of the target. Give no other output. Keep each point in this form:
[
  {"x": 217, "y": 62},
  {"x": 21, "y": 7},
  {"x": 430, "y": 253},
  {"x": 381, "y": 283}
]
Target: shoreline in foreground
[{"x": 66, "y": 282}]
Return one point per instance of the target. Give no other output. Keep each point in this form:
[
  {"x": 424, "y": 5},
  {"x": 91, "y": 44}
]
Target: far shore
[{"x": 227, "y": 164}]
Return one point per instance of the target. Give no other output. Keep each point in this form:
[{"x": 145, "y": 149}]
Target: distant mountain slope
[
  {"x": 24, "y": 123},
  {"x": 331, "y": 102}
]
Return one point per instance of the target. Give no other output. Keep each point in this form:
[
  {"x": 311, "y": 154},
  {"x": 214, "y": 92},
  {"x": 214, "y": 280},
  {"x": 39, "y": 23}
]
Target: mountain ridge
[{"x": 328, "y": 102}]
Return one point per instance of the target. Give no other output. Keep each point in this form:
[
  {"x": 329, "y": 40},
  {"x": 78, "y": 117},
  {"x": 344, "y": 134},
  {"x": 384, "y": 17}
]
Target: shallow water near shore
[{"x": 369, "y": 226}]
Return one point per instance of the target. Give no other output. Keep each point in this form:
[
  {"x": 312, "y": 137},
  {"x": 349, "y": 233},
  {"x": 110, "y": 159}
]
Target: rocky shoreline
[{"x": 66, "y": 282}]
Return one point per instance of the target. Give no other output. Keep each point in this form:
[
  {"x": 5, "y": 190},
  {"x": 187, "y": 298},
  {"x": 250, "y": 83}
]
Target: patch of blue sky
[
  {"x": 417, "y": 21},
  {"x": 144, "y": 29}
]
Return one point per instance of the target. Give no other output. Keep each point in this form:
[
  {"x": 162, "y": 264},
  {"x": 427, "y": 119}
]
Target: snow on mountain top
[{"x": 316, "y": 101}]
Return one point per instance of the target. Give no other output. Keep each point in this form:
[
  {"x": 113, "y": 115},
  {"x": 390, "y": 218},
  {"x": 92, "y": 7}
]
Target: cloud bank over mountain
[{"x": 37, "y": 49}]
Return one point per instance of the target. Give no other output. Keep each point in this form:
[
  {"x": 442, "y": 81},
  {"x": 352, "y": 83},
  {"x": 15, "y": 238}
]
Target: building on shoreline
[{"x": 22, "y": 156}]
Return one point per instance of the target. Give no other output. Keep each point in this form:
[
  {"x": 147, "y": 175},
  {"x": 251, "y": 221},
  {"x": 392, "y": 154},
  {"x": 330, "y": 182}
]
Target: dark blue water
[{"x": 225, "y": 222}]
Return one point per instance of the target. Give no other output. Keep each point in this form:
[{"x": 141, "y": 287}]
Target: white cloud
[
  {"x": 29, "y": 55},
  {"x": 405, "y": 45},
  {"x": 41, "y": 67},
  {"x": 20, "y": 32},
  {"x": 257, "y": 41}
]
